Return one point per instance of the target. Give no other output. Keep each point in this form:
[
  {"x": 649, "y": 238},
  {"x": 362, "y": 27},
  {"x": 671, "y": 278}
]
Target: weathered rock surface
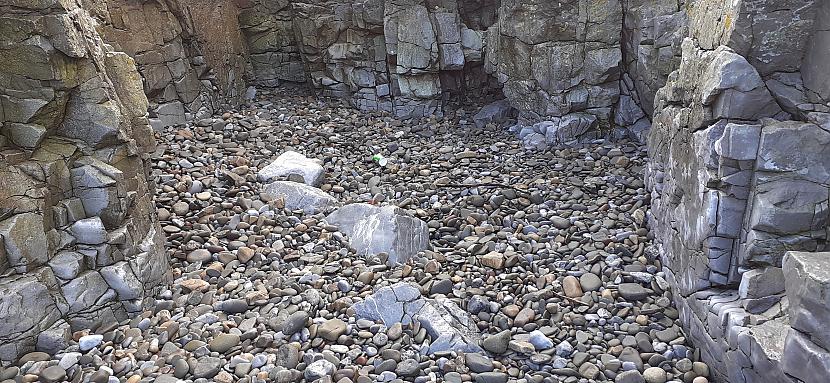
[
  {"x": 78, "y": 236},
  {"x": 738, "y": 178},
  {"x": 297, "y": 196},
  {"x": 292, "y": 164},
  {"x": 450, "y": 327},
  {"x": 190, "y": 54},
  {"x": 374, "y": 230}
]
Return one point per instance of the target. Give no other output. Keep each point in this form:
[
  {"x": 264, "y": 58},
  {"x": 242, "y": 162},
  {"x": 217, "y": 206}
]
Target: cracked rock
[
  {"x": 374, "y": 230},
  {"x": 450, "y": 327}
]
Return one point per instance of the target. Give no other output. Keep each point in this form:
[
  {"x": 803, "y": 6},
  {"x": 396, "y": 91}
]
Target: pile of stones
[{"x": 464, "y": 257}]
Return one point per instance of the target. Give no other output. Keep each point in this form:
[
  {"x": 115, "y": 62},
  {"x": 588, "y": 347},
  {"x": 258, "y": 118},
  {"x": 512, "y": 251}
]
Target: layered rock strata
[
  {"x": 79, "y": 244},
  {"x": 739, "y": 176},
  {"x": 403, "y": 57},
  {"x": 190, "y": 54}
]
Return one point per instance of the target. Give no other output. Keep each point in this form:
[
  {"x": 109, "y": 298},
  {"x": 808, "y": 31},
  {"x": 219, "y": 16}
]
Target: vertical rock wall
[
  {"x": 404, "y": 57},
  {"x": 79, "y": 244},
  {"x": 740, "y": 175},
  {"x": 268, "y": 30},
  {"x": 190, "y": 54},
  {"x": 556, "y": 58}
]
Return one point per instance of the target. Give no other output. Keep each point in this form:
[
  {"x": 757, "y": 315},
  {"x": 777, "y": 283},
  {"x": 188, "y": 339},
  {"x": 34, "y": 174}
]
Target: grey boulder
[
  {"x": 293, "y": 164},
  {"x": 373, "y": 230},
  {"x": 299, "y": 196},
  {"x": 449, "y": 327}
]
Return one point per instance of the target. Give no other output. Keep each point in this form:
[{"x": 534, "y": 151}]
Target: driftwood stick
[
  {"x": 569, "y": 299},
  {"x": 483, "y": 184}
]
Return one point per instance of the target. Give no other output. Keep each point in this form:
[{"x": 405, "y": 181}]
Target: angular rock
[
  {"x": 89, "y": 231},
  {"x": 299, "y": 196},
  {"x": 88, "y": 290},
  {"x": 55, "y": 338},
  {"x": 123, "y": 280},
  {"x": 495, "y": 112},
  {"x": 450, "y": 327},
  {"x": 67, "y": 264},
  {"x": 763, "y": 282},
  {"x": 387, "y": 229},
  {"x": 807, "y": 280},
  {"x": 293, "y": 163},
  {"x": 27, "y": 136},
  {"x": 24, "y": 238}
]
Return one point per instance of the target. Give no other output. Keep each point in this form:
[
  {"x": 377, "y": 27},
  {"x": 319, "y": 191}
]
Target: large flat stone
[
  {"x": 372, "y": 230},
  {"x": 449, "y": 327},
  {"x": 25, "y": 240},
  {"x": 299, "y": 196}
]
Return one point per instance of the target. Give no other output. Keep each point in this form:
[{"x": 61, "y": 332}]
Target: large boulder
[
  {"x": 449, "y": 327},
  {"x": 495, "y": 112},
  {"x": 292, "y": 164},
  {"x": 299, "y": 196},
  {"x": 373, "y": 230}
]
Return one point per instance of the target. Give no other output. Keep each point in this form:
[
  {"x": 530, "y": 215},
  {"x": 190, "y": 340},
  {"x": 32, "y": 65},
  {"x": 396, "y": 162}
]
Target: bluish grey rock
[
  {"x": 762, "y": 282},
  {"x": 373, "y": 230},
  {"x": 123, "y": 280},
  {"x": 88, "y": 342},
  {"x": 67, "y": 264},
  {"x": 55, "y": 339},
  {"x": 89, "y": 231},
  {"x": 495, "y": 112},
  {"x": 319, "y": 369},
  {"x": 449, "y": 327},
  {"x": 85, "y": 291},
  {"x": 24, "y": 239},
  {"x": 539, "y": 340},
  {"x": 807, "y": 280}
]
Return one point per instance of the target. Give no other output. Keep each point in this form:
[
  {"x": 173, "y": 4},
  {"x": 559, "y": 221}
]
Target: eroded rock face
[
  {"x": 297, "y": 196},
  {"x": 190, "y": 54},
  {"x": 395, "y": 56},
  {"x": 78, "y": 237},
  {"x": 292, "y": 164},
  {"x": 553, "y": 58},
  {"x": 738, "y": 175}
]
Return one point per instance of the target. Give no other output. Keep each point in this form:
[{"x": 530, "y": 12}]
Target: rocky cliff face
[
  {"x": 404, "y": 57},
  {"x": 78, "y": 242},
  {"x": 189, "y": 53},
  {"x": 739, "y": 177}
]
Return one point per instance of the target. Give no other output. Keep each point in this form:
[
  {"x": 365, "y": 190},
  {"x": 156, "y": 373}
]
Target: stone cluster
[
  {"x": 461, "y": 258},
  {"x": 80, "y": 246}
]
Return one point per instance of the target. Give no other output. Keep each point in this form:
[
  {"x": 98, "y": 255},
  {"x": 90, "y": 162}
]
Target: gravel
[{"x": 544, "y": 256}]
